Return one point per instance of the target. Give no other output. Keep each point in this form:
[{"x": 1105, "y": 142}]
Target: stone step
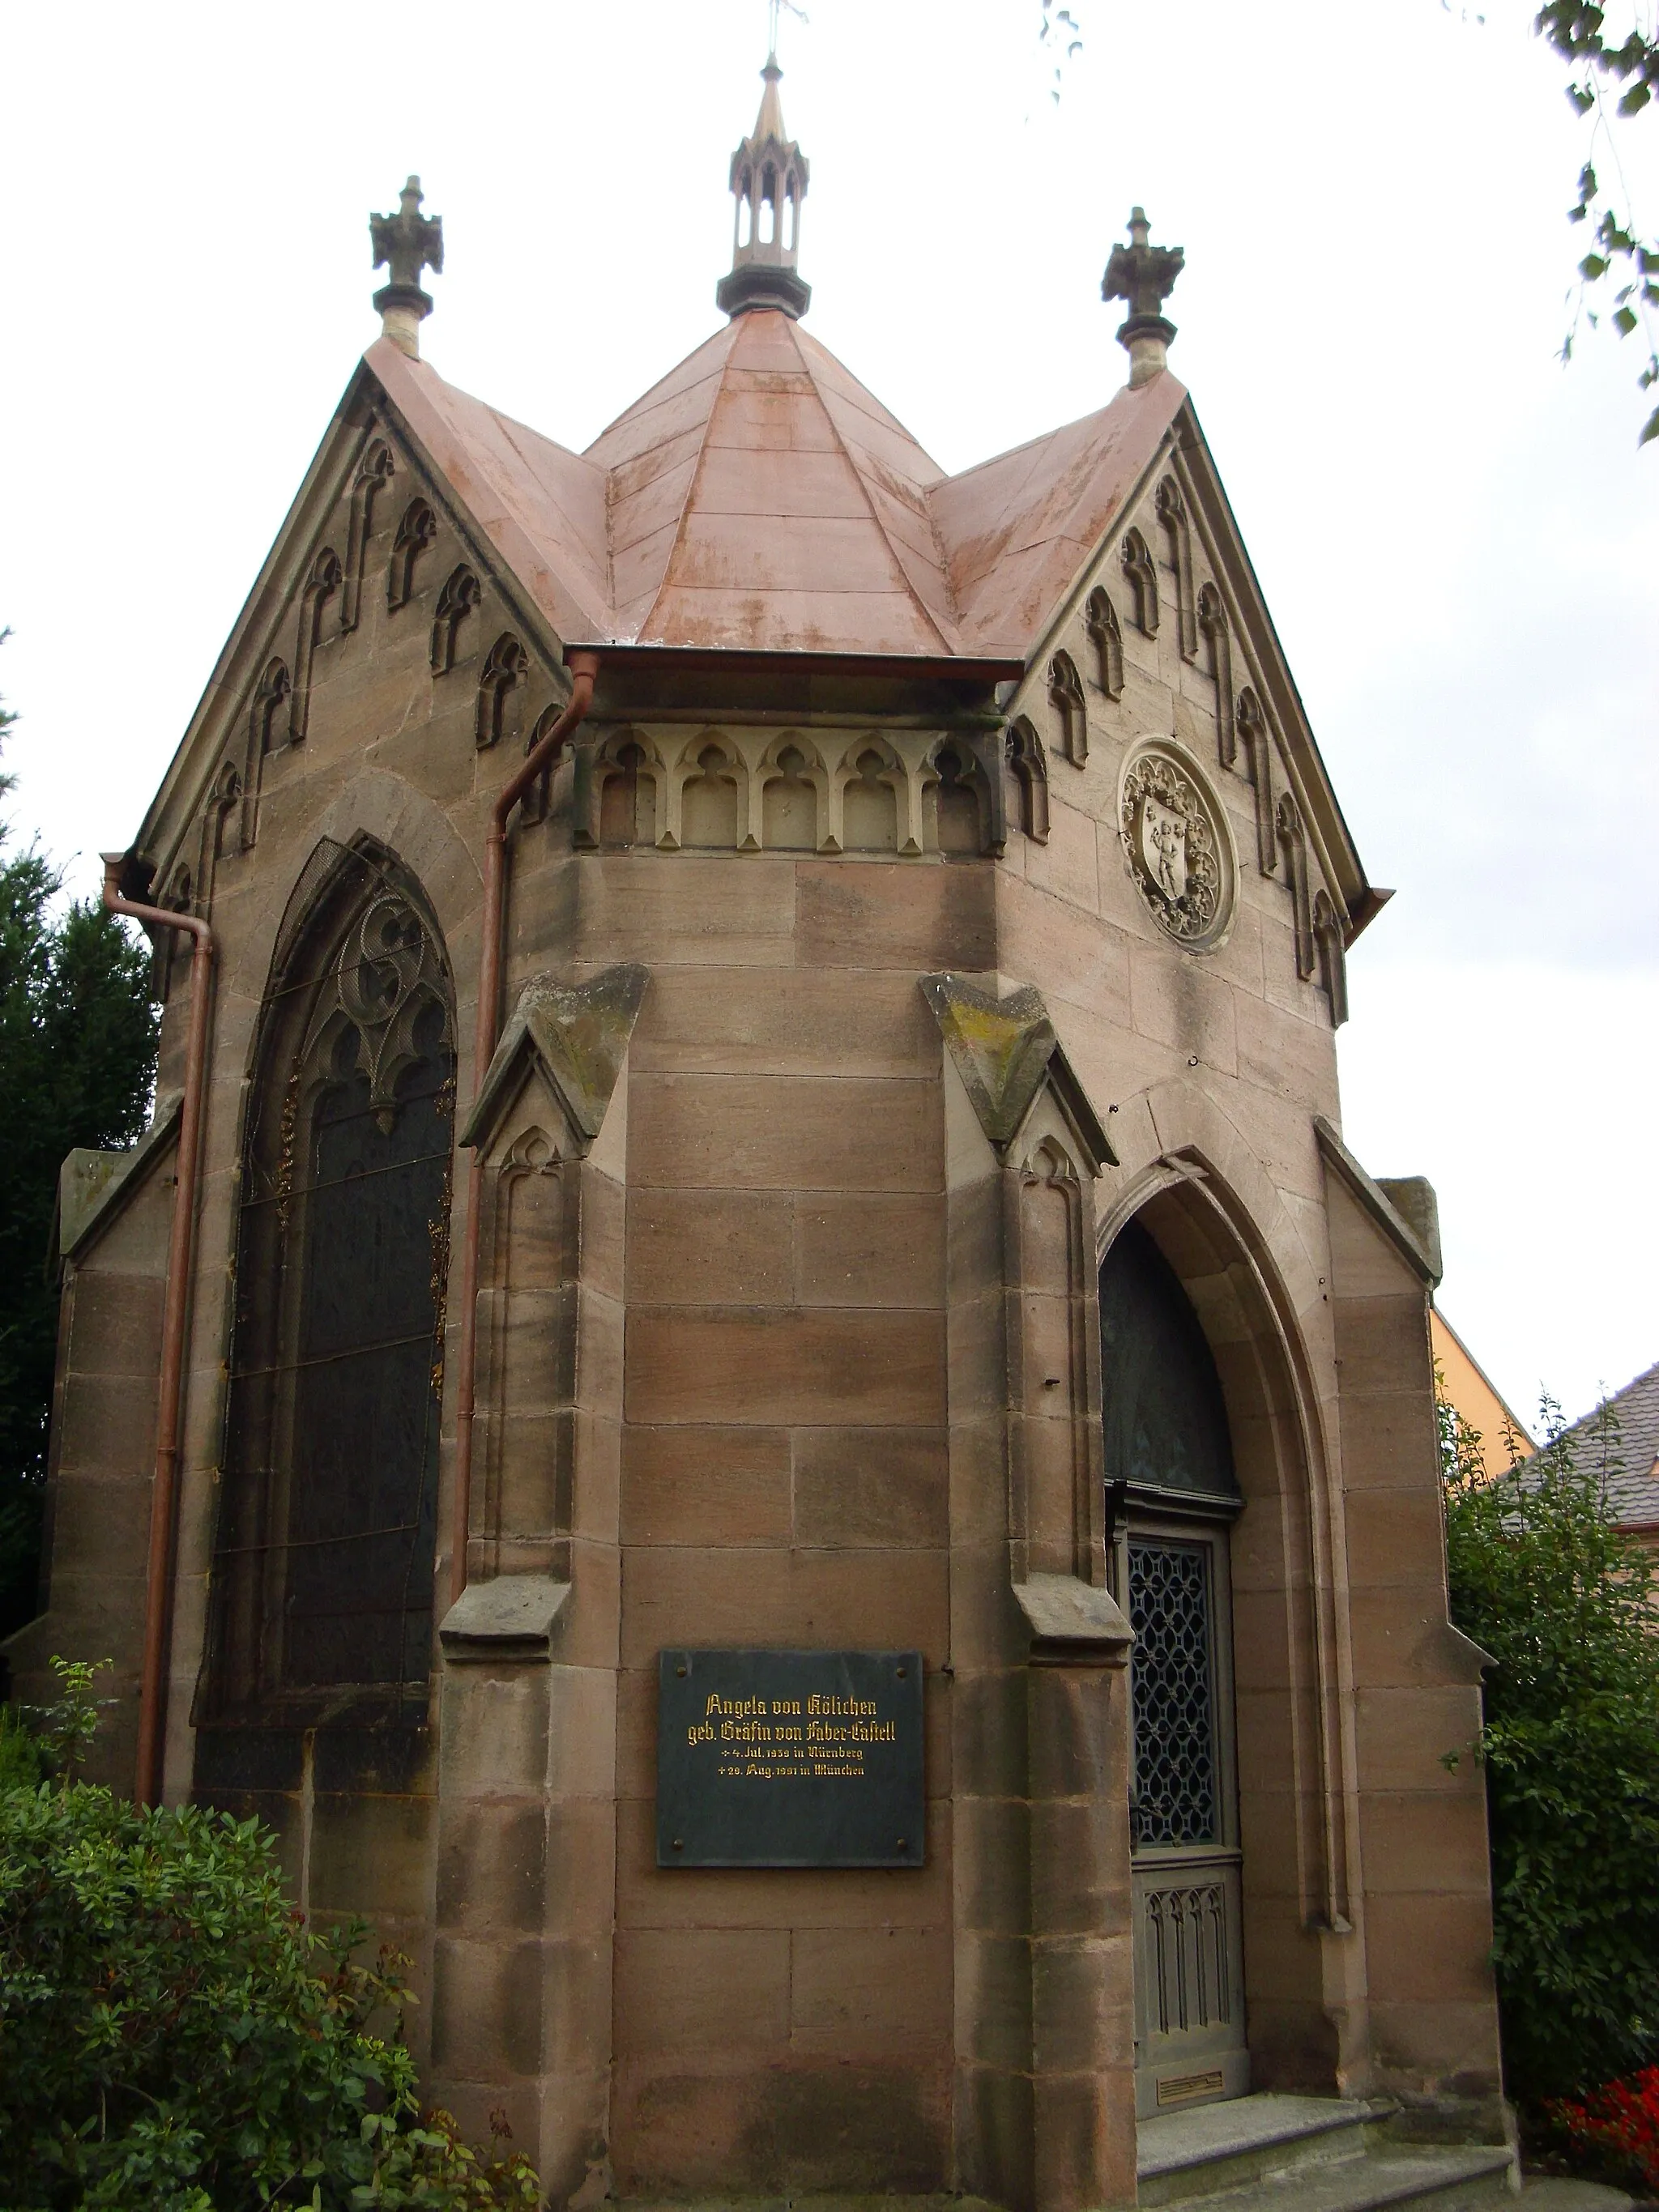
[
  {"x": 1270, "y": 2154},
  {"x": 1549, "y": 2192},
  {"x": 1212, "y": 2147}
]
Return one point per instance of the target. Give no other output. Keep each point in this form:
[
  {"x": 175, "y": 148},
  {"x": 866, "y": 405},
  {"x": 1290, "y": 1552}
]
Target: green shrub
[
  {"x": 172, "y": 2036},
  {"x": 1567, "y": 1606},
  {"x": 21, "y": 1764}
]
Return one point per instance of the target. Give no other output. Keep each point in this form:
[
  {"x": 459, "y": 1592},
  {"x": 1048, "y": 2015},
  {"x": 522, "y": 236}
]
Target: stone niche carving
[
  {"x": 1172, "y": 513},
  {"x": 1100, "y": 620},
  {"x": 907, "y": 795},
  {"x": 415, "y": 533},
  {"x": 320, "y": 585},
  {"x": 1178, "y": 845},
  {"x": 269, "y": 695},
  {"x": 460, "y": 595},
  {"x": 1071, "y": 709},
  {"x": 1332, "y": 968},
  {"x": 1212, "y": 622},
  {"x": 1031, "y": 765},
  {"x": 376, "y": 472},
  {"x": 1138, "y": 567},
  {"x": 505, "y": 668}
]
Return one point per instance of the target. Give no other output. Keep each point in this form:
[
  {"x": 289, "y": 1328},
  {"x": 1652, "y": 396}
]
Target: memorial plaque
[{"x": 789, "y": 1759}]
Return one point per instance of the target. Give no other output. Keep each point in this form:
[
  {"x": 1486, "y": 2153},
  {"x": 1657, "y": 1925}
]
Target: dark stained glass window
[
  {"x": 1166, "y": 1425},
  {"x": 323, "y": 1570}
]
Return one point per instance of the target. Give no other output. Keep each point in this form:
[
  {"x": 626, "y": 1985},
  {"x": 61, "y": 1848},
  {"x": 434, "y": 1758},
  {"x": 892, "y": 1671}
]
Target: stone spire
[
  {"x": 769, "y": 182},
  {"x": 407, "y": 243},
  {"x": 1145, "y": 276}
]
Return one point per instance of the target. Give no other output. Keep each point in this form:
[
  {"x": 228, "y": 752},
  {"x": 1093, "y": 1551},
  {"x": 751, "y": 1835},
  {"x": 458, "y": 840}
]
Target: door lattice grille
[{"x": 1172, "y": 1676}]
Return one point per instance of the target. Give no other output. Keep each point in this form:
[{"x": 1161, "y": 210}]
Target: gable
[
  {"x": 1168, "y": 567},
  {"x": 759, "y": 498},
  {"x": 378, "y": 535},
  {"x": 1019, "y": 528}
]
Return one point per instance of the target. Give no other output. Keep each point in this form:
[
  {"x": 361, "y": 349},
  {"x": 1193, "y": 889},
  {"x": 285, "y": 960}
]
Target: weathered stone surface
[{"x": 787, "y": 1335}]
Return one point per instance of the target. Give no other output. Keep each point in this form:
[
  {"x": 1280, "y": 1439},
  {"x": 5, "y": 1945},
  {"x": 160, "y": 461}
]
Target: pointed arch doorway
[{"x": 1173, "y": 1496}]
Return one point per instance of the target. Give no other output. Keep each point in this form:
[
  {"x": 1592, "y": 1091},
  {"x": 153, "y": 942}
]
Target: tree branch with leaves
[{"x": 1613, "y": 78}]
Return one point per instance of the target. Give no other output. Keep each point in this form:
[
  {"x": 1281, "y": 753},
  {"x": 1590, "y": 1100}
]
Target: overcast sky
[{"x": 1457, "y": 538}]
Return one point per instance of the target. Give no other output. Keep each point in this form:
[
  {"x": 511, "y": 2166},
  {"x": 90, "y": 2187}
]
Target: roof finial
[
  {"x": 1145, "y": 276},
  {"x": 769, "y": 182},
  {"x": 407, "y": 242}
]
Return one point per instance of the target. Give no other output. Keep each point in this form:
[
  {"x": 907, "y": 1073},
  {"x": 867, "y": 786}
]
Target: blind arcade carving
[{"x": 790, "y": 1759}]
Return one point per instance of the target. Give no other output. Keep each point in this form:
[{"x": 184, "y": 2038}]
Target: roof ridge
[
  {"x": 691, "y": 483},
  {"x": 903, "y": 429},
  {"x": 949, "y": 644},
  {"x": 635, "y": 406},
  {"x": 1612, "y": 1398},
  {"x": 510, "y": 427}
]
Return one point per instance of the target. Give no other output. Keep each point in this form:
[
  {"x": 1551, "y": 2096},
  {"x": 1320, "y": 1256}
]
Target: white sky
[{"x": 1457, "y": 538}]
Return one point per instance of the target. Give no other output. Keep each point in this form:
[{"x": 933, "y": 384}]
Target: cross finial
[
  {"x": 1144, "y": 275},
  {"x": 406, "y": 243}
]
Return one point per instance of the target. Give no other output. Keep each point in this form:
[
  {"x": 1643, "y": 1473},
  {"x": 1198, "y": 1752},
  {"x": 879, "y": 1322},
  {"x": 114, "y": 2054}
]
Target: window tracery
[{"x": 322, "y": 1581}]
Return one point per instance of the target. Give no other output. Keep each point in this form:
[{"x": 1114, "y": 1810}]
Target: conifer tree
[{"x": 77, "y": 1062}]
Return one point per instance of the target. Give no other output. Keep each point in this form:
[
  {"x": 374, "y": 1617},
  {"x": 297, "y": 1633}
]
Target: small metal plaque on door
[{"x": 790, "y": 1759}]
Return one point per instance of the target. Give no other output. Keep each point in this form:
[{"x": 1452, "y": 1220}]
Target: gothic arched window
[
  {"x": 1166, "y": 1425},
  {"x": 322, "y": 1579}
]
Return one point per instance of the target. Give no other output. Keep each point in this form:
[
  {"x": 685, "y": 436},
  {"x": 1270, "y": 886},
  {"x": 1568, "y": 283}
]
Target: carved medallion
[{"x": 1179, "y": 850}]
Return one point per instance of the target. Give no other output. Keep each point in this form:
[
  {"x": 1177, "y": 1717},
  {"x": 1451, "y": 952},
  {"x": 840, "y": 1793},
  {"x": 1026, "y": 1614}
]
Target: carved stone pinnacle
[
  {"x": 406, "y": 243},
  {"x": 1144, "y": 275}
]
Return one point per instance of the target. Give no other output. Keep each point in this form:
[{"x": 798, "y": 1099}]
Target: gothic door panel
[{"x": 1190, "y": 1980}]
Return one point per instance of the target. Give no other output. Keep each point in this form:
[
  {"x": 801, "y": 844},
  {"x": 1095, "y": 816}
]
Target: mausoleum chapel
[{"x": 744, "y": 1382}]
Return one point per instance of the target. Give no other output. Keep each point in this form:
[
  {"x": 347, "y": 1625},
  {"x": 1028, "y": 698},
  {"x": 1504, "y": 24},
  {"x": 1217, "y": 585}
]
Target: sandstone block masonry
[{"x": 942, "y": 899}]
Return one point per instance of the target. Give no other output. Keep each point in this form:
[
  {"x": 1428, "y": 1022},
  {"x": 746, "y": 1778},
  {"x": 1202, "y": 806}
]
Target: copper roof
[{"x": 760, "y": 497}]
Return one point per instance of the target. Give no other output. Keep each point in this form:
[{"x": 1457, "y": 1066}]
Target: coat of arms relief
[{"x": 1179, "y": 851}]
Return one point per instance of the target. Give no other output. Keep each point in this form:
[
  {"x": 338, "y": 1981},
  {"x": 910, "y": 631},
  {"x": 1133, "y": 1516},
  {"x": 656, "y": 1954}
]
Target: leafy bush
[
  {"x": 172, "y": 2035},
  {"x": 19, "y": 1757},
  {"x": 1567, "y": 1606}
]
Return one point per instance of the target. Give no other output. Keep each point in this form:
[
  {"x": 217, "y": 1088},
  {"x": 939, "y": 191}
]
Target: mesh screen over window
[
  {"x": 1172, "y": 1679},
  {"x": 323, "y": 1562}
]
